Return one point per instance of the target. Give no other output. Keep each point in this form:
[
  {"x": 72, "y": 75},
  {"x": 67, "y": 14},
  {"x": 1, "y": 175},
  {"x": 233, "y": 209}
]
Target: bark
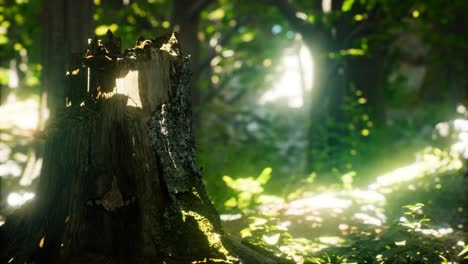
[
  {"x": 120, "y": 182},
  {"x": 465, "y": 209}
]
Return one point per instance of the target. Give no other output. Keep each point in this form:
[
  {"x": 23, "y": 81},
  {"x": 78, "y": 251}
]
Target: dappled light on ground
[
  {"x": 317, "y": 221},
  {"x": 311, "y": 222},
  {"x": 431, "y": 160}
]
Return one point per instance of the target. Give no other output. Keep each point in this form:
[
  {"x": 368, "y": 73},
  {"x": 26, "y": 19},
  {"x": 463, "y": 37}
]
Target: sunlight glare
[
  {"x": 432, "y": 160},
  {"x": 230, "y": 217},
  {"x": 433, "y": 232},
  {"x": 326, "y": 6},
  {"x": 125, "y": 86},
  {"x": 461, "y": 109},
  {"x": 19, "y": 114},
  {"x": 297, "y": 78},
  {"x": 461, "y": 146},
  {"x": 322, "y": 201},
  {"x": 369, "y": 196},
  {"x": 16, "y": 199},
  {"x": 401, "y": 174},
  {"x": 5, "y": 152},
  {"x": 13, "y": 78},
  {"x": 332, "y": 240},
  {"x": 367, "y": 219},
  {"x": 10, "y": 168}
]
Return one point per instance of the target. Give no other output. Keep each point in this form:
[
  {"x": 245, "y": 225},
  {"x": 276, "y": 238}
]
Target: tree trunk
[
  {"x": 366, "y": 73},
  {"x": 326, "y": 99},
  {"x": 66, "y": 26},
  {"x": 186, "y": 22},
  {"x": 120, "y": 182}
]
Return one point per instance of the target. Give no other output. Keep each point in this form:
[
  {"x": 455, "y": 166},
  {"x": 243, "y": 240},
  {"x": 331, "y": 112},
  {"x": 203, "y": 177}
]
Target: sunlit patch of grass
[
  {"x": 249, "y": 191},
  {"x": 430, "y": 161}
]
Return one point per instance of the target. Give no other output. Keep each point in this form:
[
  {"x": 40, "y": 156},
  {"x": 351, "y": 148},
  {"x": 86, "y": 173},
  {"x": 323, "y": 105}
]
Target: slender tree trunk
[
  {"x": 326, "y": 99},
  {"x": 120, "y": 181},
  {"x": 186, "y": 21},
  {"x": 66, "y": 26},
  {"x": 465, "y": 206},
  {"x": 366, "y": 73}
]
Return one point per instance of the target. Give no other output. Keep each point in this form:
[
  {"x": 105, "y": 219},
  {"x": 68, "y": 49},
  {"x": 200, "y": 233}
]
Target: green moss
[{"x": 213, "y": 238}]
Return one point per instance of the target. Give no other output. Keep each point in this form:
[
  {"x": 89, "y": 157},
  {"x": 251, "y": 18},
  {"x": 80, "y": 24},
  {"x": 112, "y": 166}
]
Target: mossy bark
[{"x": 120, "y": 182}]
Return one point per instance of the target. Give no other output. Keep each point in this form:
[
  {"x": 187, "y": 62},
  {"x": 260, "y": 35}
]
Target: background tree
[{"x": 66, "y": 28}]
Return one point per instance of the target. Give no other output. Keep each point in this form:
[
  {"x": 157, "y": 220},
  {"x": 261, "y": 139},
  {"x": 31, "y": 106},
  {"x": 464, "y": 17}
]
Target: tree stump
[{"x": 120, "y": 182}]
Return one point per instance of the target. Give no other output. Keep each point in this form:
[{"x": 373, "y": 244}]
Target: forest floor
[
  {"x": 427, "y": 196},
  {"x": 315, "y": 219},
  {"x": 328, "y": 215}
]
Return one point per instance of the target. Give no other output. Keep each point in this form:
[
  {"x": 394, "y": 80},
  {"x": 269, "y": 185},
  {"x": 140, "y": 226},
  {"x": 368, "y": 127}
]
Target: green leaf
[
  {"x": 264, "y": 177},
  {"x": 216, "y": 14},
  {"x": 347, "y": 5},
  {"x": 400, "y": 243},
  {"x": 229, "y": 181},
  {"x": 271, "y": 240},
  {"x": 463, "y": 252},
  {"x": 231, "y": 202},
  {"x": 247, "y": 37},
  {"x": 102, "y": 29}
]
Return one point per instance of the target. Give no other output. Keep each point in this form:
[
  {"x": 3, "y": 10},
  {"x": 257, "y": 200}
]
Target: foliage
[
  {"x": 409, "y": 239},
  {"x": 18, "y": 44},
  {"x": 249, "y": 192},
  {"x": 344, "y": 141}
]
